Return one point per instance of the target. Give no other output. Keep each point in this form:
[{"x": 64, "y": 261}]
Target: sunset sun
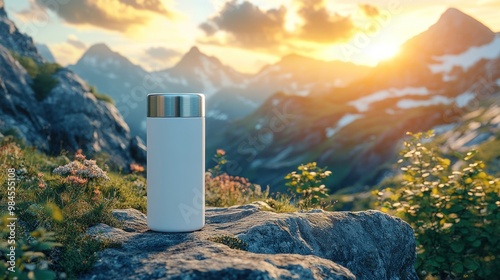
[{"x": 382, "y": 51}]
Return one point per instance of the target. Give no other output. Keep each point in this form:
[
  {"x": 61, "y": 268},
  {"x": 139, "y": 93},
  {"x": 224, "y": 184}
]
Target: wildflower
[
  {"x": 134, "y": 167},
  {"x": 221, "y": 152},
  {"x": 84, "y": 169},
  {"x": 41, "y": 182},
  {"x": 96, "y": 194},
  {"x": 75, "y": 180},
  {"x": 79, "y": 156}
]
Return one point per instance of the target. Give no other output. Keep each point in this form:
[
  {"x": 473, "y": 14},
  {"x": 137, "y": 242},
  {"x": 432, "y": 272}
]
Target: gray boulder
[{"x": 309, "y": 245}]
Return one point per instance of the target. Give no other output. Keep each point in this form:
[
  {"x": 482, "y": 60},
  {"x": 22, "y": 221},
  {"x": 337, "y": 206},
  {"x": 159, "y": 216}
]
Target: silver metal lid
[{"x": 176, "y": 105}]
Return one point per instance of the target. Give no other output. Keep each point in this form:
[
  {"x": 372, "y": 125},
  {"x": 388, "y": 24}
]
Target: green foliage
[
  {"x": 42, "y": 75},
  {"x": 101, "y": 96},
  {"x": 28, "y": 64},
  {"x": 67, "y": 202},
  {"x": 222, "y": 190},
  {"x": 44, "y": 81},
  {"x": 310, "y": 183},
  {"x": 31, "y": 261},
  {"x": 230, "y": 241},
  {"x": 455, "y": 214},
  {"x": 281, "y": 203}
]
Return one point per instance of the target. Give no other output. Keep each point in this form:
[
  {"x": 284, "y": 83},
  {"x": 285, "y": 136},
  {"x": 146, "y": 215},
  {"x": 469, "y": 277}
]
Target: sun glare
[{"x": 382, "y": 51}]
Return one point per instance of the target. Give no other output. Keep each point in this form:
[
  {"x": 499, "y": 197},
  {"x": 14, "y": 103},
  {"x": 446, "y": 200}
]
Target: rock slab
[{"x": 308, "y": 245}]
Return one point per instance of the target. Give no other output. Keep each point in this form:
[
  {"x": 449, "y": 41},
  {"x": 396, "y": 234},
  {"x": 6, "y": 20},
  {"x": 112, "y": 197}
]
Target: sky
[{"x": 245, "y": 35}]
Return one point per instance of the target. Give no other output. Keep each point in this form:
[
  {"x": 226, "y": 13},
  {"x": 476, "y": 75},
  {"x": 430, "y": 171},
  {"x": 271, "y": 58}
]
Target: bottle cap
[{"x": 176, "y": 105}]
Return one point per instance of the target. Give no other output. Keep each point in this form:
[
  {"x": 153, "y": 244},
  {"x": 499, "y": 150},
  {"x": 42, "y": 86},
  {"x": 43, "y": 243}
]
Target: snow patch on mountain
[
  {"x": 435, "y": 100},
  {"x": 248, "y": 102},
  {"x": 461, "y": 101},
  {"x": 111, "y": 76},
  {"x": 217, "y": 114},
  {"x": 208, "y": 87},
  {"x": 90, "y": 60},
  {"x": 343, "y": 122},
  {"x": 468, "y": 58},
  {"x": 364, "y": 103},
  {"x": 266, "y": 72}
]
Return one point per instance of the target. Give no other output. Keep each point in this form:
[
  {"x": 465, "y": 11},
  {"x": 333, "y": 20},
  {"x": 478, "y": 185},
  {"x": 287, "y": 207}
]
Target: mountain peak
[
  {"x": 99, "y": 49},
  {"x": 454, "y": 32},
  {"x": 453, "y": 13},
  {"x": 193, "y": 57},
  {"x": 194, "y": 50},
  {"x": 294, "y": 57}
]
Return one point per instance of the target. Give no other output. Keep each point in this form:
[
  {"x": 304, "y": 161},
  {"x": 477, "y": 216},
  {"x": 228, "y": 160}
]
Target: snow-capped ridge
[{"x": 467, "y": 59}]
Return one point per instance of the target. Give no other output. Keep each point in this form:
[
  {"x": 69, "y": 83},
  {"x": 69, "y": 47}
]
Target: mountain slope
[
  {"x": 113, "y": 74},
  {"x": 45, "y": 52},
  {"x": 68, "y": 118},
  {"x": 355, "y": 130},
  {"x": 293, "y": 74},
  {"x": 201, "y": 73},
  {"x": 128, "y": 84}
]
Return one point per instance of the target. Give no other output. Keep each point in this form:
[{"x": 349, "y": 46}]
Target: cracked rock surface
[{"x": 308, "y": 245}]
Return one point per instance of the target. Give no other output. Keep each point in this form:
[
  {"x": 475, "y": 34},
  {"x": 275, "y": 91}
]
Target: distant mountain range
[
  {"x": 348, "y": 117},
  {"x": 230, "y": 95},
  {"x": 356, "y": 130}
]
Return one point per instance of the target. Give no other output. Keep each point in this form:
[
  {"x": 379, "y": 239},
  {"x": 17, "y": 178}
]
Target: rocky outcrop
[
  {"x": 310, "y": 245},
  {"x": 19, "y": 112},
  {"x": 69, "y": 117},
  {"x": 12, "y": 39}
]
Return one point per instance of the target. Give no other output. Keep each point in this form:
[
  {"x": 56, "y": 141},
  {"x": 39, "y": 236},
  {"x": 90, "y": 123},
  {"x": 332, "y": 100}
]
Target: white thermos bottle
[{"x": 176, "y": 162}]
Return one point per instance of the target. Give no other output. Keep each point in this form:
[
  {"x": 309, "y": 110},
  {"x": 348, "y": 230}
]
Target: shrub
[
  {"x": 44, "y": 82},
  {"x": 224, "y": 190},
  {"x": 31, "y": 261},
  {"x": 309, "y": 183},
  {"x": 455, "y": 214},
  {"x": 42, "y": 75},
  {"x": 78, "y": 194},
  {"x": 101, "y": 96},
  {"x": 281, "y": 203}
]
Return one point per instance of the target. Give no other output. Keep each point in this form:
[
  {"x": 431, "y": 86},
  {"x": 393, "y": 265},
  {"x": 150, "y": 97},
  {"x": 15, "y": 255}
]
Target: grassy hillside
[{"x": 54, "y": 211}]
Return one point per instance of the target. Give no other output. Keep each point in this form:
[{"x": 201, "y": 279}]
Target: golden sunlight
[{"x": 381, "y": 51}]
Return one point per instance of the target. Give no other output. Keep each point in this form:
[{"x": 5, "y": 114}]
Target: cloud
[
  {"x": 248, "y": 25},
  {"x": 162, "y": 53},
  {"x": 322, "y": 26},
  {"x": 33, "y": 13},
  {"x": 73, "y": 41},
  {"x": 117, "y": 15},
  {"x": 157, "y": 58},
  {"x": 369, "y": 10}
]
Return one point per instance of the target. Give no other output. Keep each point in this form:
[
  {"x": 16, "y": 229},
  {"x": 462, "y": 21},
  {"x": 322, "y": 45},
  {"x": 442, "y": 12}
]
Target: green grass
[
  {"x": 51, "y": 198},
  {"x": 101, "y": 96},
  {"x": 63, "y": 205}
]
